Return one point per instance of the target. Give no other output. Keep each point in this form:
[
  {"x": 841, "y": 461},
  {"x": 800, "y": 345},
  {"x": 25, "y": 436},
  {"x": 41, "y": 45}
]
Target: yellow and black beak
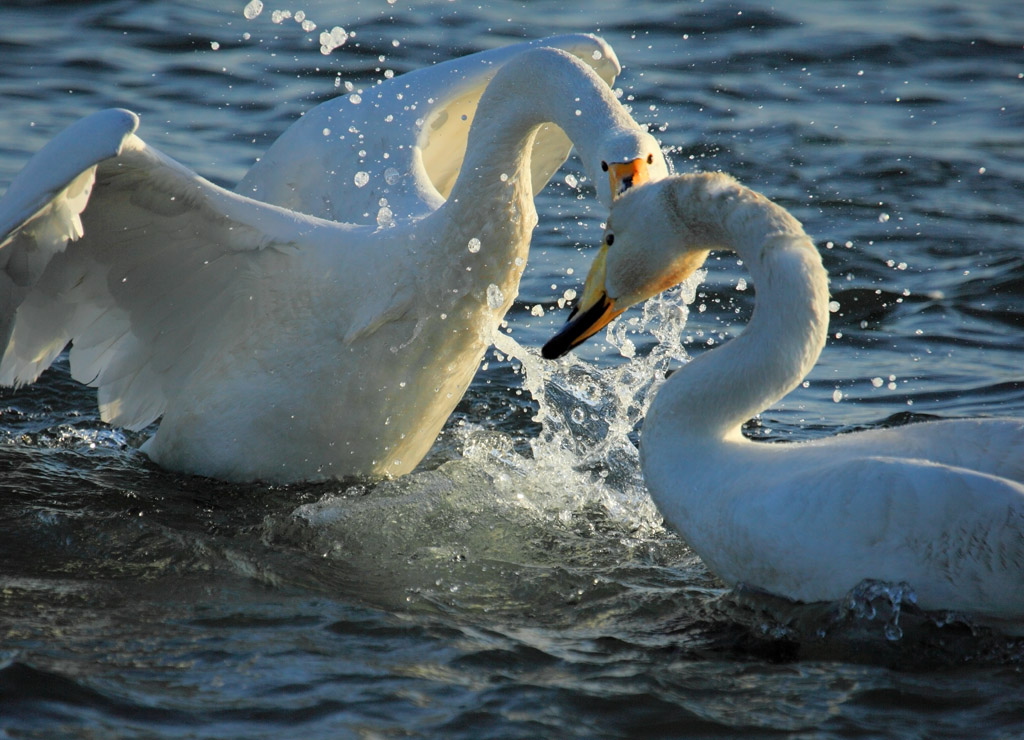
[
  {"x": 593, "y": 311},
  {"x": 624, "y": 175}
]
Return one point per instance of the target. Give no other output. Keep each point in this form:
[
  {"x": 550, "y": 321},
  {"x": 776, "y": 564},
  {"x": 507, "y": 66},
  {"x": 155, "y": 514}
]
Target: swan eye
[
  {"x": 650, "y": 159},
  {"x": 604, "y": 166},
  {"x": 610, "y": 239}
]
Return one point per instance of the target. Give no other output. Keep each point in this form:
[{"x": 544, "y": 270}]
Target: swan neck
[
  {"x": 724, "y": 387},
  {"x": 491, "y": 203},
  {"x": 536, "y": 88}
]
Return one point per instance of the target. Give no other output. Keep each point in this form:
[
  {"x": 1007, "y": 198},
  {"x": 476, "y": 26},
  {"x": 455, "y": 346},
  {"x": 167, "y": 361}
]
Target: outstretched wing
[
  {"x": 138, "y": 260},
  {"x": 403, "y": 140}
]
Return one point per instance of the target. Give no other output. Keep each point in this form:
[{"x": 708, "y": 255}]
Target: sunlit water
[{"x": 520, "y": 583}]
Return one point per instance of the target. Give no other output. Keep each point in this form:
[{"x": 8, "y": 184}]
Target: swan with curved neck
[
  {"x": 275, "y": 344},
  {"x": 939, "y": 505}
]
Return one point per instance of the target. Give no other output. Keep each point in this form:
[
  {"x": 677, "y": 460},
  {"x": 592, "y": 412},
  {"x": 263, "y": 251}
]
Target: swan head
[
  {"x": 629, "y": 159},
  {"x": 624, "y": 175},
  {"x": 655, "y": 238}
]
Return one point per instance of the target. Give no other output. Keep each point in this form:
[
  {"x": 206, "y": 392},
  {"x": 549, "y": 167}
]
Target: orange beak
[{"x": 624, "y": 175}]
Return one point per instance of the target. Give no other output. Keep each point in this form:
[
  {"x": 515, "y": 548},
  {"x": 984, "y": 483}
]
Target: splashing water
[
  {"x": 385, "y": 217},
  {"x": 331, "y": 40},
  {"x": 495, "y": 296},
  {"x": 880, "y": 602},
  {"x": 505, "y": 507},
  {"x": 589, "y": 416},
  {"x": 253, "y": 9}
]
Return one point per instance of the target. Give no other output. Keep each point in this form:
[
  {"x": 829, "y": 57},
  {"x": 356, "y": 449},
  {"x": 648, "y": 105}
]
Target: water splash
[
  {"x": 253, "y": 9},
  {"x": 495, "y": 297},
  {"x": 590, "y": 415},
  {"x": 546, "y": 507},
  {"x": 879, "y": 602},
  {"x": 331, "y": 40},
  {"x": 385, "y": 217}
]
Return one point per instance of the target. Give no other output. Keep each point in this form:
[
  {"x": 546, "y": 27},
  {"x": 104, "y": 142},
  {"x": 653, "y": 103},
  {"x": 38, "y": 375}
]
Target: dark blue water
[{"x": 520, "y": 583}]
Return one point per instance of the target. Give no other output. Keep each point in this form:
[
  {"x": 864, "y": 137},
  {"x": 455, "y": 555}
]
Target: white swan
[
  {"x": 939, "y": 505},
  {"x": 283, "y": 346}
]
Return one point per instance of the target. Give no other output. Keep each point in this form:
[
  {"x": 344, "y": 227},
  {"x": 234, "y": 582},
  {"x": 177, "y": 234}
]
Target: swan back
[{"x": 404, "y": 140}]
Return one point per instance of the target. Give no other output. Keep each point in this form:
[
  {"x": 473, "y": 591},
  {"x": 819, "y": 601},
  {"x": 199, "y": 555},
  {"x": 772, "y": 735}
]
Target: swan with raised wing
[
  {"x": 276, "y": 341},
  {"x": 939, "y": 505}
]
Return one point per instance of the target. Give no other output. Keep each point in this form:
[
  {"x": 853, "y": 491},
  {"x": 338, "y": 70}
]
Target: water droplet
[
  {"x": 537, "y": 310},
  {"x": 385, "y": 218},
  {"x": 569, "y": 294},
  {"x": 331, "y": 40},
  {"x": 504, "y": 177},
  {"x": 883, "y": 217},
  {"x": 474, "y": 245},
  {"x": 578, "y": 415},
  {"x": 355, "y": 98},
  {"x": 494, "y": 296},
  {"x": 361, "y": 178},
  {"x": 391, "y": 176},
  {"x": 571, "y": 180},
  {"x": 520, "y": 261},
  {"x": 597, "y": 54},
  {"x": 253, "y": 9},
  {"x": 837, "y": 395},
  {"x": 214, "y": 45},
  {"x": 741, "y": 284}
]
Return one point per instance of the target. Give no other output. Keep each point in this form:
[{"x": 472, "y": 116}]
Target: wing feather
[{"x": 146, "y": 267}]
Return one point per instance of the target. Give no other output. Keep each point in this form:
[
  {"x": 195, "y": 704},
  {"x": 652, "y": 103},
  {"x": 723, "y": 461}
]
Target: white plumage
[
  {"x": 939, "y": 505},
  {"x": 295, "y": 329}
]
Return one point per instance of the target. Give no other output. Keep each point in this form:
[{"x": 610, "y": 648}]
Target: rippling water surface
[{"x": 520, "y": 583}]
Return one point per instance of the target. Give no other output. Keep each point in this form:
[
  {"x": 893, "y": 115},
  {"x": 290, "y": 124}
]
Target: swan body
[
  {"x": 276, "y": 342},
  {"x": 939, "y": 505}
]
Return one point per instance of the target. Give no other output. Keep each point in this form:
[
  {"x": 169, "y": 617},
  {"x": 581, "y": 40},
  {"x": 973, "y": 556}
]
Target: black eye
[
  {"x": 610, "y": 239},
  {"x": 604, "y": 166},
  {"x": 650, "y": 159}
]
